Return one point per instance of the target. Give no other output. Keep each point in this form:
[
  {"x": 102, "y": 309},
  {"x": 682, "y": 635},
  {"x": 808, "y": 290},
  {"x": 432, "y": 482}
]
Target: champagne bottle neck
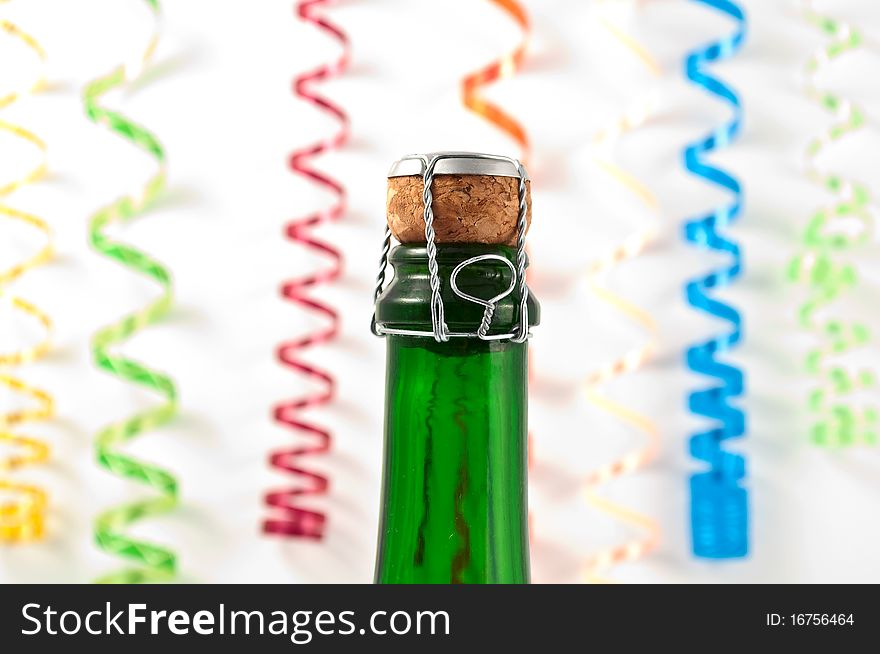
[{"x": 454, "y": 499}]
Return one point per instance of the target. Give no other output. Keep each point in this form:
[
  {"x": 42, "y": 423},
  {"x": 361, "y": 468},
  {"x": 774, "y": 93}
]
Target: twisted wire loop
[
  {"x": 380, "y": 278},
  {"x": 23, "y": 506},
  {"x": 438, "y": 317},
  {"x": 289, "y": 517},
  {"x": 144, "y": 561},
  {"x": 502, "y": 68},
  {"x": 489, "y": 305},
  {"x": 635, "y": 358},
  {"x": 523, "y": 329},
  {"x": 719, "y": 508},
  {"x": 831, "y": 232}
]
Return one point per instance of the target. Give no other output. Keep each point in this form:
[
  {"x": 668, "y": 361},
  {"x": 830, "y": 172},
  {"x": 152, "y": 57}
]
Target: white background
[{"x": 221, "y": 103}]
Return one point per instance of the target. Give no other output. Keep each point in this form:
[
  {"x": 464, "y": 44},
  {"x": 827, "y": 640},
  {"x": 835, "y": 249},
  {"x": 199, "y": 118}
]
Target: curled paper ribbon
[
  {"x": 830, "y": 233},
  {"x": 289, "y": 517},
  {"x": 719, "y": 508},
  {"x": 507, "y": 66},
  {"x": 23, "y": 507},
  {"x": 146, "y": 561},
  {"x": 636, "y": 357}
]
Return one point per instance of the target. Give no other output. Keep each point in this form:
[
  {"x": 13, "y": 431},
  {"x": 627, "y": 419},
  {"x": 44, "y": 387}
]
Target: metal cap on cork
[
  {"x": 475, "y": 197},
  {"x": 458, "y": 163}
]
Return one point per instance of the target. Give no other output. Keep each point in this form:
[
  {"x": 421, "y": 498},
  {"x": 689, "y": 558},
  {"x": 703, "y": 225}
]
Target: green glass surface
[{"x": 454, "y": 506}]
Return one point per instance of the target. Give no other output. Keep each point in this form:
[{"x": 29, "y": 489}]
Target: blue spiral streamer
[{"x": 719, "y": 508}]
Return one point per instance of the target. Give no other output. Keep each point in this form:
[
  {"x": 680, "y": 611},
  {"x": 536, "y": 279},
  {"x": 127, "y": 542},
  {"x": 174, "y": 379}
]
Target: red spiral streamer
[{"x": 290, "y": 519}]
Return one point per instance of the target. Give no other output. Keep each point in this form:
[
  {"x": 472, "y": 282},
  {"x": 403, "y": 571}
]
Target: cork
[{"x": 467, "y": 209}]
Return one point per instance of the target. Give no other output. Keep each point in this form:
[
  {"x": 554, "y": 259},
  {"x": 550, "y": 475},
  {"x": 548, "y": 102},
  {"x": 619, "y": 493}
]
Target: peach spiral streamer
[
  {"x": 639, "y": 355},
  {"x": 23, "y": 505}
]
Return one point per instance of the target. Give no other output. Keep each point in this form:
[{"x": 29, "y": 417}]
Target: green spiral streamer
[
  {"x": 145, "y": 562},
  {"x": 829, "y": 235}
]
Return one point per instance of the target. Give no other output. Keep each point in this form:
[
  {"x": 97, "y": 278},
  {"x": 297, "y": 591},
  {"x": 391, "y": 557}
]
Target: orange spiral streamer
[{"x": 502, "y": 68}]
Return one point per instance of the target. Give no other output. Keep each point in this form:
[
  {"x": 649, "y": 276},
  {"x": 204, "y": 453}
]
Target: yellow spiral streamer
[
  {"x": 598, "y": 564},
  {"x": 23, "y": 505}
]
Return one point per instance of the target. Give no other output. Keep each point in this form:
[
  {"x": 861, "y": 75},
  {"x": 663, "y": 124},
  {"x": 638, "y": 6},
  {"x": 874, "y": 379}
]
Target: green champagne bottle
[{"x": 454, "y": 507}]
